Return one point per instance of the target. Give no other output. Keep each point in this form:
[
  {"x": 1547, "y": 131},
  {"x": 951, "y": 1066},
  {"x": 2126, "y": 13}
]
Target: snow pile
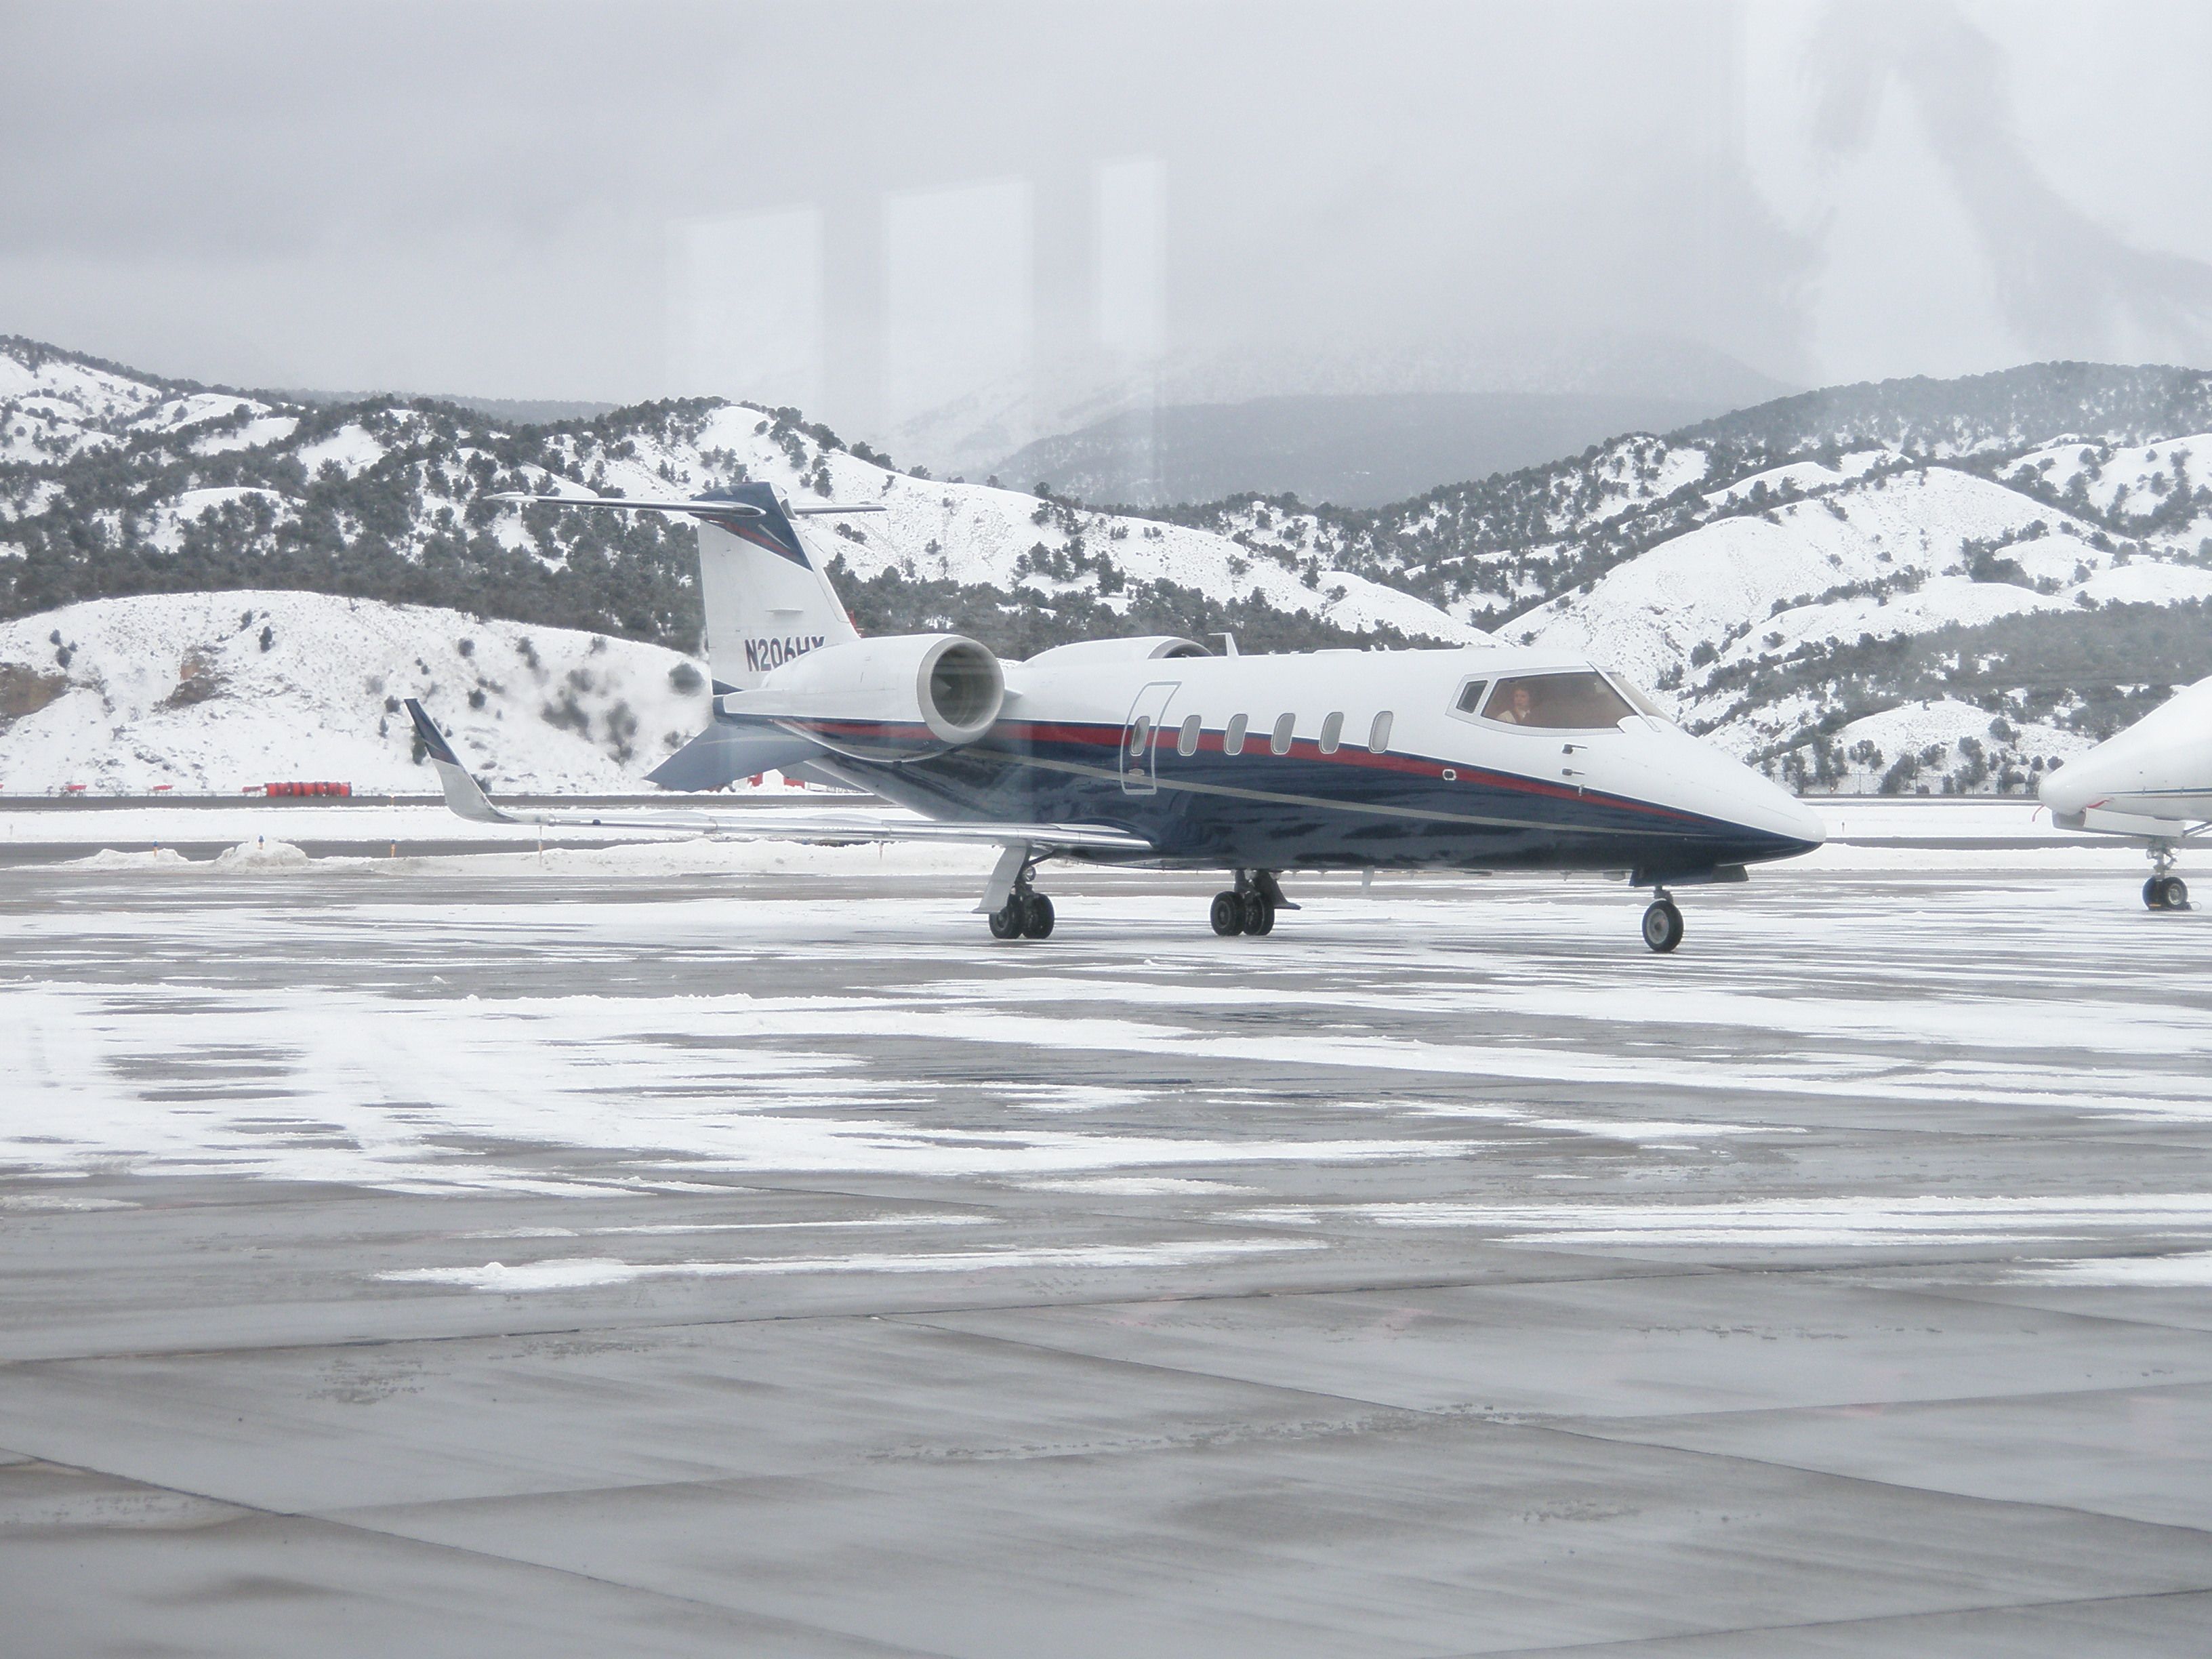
[
  {"x": 109, "y": 858},
  {"x": 261, "y": 854}
]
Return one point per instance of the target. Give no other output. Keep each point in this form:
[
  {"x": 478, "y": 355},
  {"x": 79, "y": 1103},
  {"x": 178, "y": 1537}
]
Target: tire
[
  {"x": 1227, "y": 915},
  {"x": 1007, "y": 920},
  {"x": 2174, "y": 893},
  {"x": 1036, "y": 917},
  {"x": 1663, "y": 926},
  {"x": 1259, "y": 915},
  {"x": 2154, "y": 894}
]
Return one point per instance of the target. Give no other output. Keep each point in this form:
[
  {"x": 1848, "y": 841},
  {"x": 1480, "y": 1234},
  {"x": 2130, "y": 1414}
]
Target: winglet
[{"x": 464, "y": 795}]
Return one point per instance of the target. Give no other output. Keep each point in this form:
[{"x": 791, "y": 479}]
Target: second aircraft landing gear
[
  {"x": 1250, "y": 906},
  {"x": 1662, "y": 923},
  {"x": 2164, "y": 891}
]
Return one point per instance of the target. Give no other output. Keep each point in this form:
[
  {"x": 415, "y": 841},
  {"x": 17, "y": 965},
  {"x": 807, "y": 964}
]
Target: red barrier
[{"x": 307, "y": 789}]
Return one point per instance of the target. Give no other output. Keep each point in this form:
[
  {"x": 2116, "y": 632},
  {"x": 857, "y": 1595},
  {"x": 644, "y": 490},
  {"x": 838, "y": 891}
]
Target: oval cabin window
[
  {"x": 1332, "y": 733},
  {"x": 1378, "y": 735},
  {"x": 1280, "y": 740},
  {"x": 1232, "y": 735},
  {"x": 1187, "y": 739}
]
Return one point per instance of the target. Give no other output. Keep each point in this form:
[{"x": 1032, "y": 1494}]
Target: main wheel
[
  {"x": 1662, "y": 926},
  {"x": 2174, "y": 893},
  {"x": 1259, "y": 915},
  {"x": 1007, "y": 920},
  {"x": 1036, "y": 917},
  {"x": 2155, "y": 894},
  {"x": 1227, "y": 915}
]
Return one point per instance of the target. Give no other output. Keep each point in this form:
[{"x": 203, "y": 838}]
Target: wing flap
[{"x": 723, "y": 753}]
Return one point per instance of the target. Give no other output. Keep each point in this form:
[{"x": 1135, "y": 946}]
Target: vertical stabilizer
[{"x": 762, "y": 585}]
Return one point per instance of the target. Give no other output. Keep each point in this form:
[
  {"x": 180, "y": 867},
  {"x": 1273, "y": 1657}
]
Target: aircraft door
[{"x": 1140, "y": 736}]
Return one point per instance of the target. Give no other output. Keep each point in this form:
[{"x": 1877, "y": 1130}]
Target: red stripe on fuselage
[{"x": 1256, "y": 744}]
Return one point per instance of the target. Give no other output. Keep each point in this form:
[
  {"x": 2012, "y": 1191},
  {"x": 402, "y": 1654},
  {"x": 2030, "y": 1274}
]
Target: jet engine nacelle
[{"x": 903, "y": 697}]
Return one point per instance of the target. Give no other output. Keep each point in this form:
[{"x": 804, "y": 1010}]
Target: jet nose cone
[
  {"x": 1812, "y": 828},
  {"x": 2071, "y": 789},
  {"x": 1788, "y": 817}
]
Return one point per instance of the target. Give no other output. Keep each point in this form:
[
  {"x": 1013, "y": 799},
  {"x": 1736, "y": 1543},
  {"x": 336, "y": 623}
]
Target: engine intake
[{"x": 898, "y": 698}]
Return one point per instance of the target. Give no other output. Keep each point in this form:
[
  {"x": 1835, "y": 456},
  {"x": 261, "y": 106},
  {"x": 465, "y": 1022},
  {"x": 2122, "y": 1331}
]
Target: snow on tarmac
[{"x": 1430, "y": 1057}]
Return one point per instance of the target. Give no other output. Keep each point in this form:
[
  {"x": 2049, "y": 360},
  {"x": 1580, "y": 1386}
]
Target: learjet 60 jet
[{"x": 1158, "y": 752}]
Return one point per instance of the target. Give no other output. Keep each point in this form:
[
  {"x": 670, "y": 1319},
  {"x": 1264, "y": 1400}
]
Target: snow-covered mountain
[
  {"x": 2023, "y": 559},
  {"x": 111, "y": 483},
  {"x": 1939, "y": 584}
]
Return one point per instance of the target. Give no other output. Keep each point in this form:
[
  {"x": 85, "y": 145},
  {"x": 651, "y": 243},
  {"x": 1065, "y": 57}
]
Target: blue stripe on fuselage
[{"x": 1349, "y": 809}]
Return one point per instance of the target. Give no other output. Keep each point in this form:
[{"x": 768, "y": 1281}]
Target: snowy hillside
[
  {"x": 215, "y": 692},
  {"x": 1788, "y": 581},
  {"x": 109, "y": 483},
  {"x": 2030, "y": 550}
]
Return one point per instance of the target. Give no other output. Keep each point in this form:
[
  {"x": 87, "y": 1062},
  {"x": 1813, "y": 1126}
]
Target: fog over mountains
[
  {"x": 1357, "y": 418},
  {"x": 1937, "y": 584}
]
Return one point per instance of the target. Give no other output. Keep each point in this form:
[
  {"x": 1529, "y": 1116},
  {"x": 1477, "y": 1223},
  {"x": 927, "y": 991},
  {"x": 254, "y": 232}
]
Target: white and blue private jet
[
  {"x": 2151, "y": 783},
  {"x": 1156, "y": 752}
]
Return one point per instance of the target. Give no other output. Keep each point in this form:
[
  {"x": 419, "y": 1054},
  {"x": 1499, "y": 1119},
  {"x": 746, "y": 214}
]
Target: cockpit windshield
[
  {"x": 1644, "y": 705},
  {"x": 1577, "y": 699}
]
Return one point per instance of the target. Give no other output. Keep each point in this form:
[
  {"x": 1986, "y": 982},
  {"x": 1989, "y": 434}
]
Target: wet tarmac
[{"x": 554, "y": 1261}]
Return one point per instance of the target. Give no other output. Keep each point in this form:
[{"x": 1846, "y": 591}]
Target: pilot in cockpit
[{"x": 1518, "y": 706}]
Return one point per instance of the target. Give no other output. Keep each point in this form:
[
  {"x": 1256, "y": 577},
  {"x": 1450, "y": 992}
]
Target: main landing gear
[
  {"x": 1250, "y": 906},
  {"x": 1027, "y": 914},
  {"x": 2164, "y": 891},
  {"x": 1662, "y": 922}
]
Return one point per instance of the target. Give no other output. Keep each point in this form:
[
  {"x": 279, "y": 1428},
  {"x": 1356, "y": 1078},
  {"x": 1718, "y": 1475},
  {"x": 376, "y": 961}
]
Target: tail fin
[{"x": 764, "y": 589}]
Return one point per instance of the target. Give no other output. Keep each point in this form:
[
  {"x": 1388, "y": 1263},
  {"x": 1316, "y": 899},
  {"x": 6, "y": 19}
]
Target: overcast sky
[{"x": 872, "y": 208}]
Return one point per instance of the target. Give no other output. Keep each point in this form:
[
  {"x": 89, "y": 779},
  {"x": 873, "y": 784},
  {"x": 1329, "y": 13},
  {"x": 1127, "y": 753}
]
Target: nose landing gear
[
  {"x": 1662, "y": 922},
  {"x": 2164, "y": 891}
]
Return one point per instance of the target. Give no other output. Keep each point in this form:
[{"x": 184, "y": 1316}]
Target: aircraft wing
[{"x": 465, "y": 797}]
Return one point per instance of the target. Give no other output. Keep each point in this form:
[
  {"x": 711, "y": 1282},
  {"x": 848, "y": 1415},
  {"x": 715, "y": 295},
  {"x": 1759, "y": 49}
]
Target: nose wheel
[
  {"x": 1662, "y": 924},
  {"x": 2164, "y": 891}
]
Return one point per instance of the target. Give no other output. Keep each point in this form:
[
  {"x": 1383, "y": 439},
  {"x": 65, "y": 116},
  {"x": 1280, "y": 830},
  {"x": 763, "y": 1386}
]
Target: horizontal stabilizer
[{"x": 724, "y": 752}]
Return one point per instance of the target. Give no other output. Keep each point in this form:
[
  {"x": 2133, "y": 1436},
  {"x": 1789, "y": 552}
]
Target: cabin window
[
  {"x": 1332, "y": 732},
  {"x": 1232, "y": 735},
  {"x": 1378, "y": 735},
  {"x": 1580, "y": 700},
  {"x": 1140, "y": 733},
  {"x": 1280, "y": 740},
  {"x": 1187, "y": 739},
  {"x": 1469, "y": 700}
]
